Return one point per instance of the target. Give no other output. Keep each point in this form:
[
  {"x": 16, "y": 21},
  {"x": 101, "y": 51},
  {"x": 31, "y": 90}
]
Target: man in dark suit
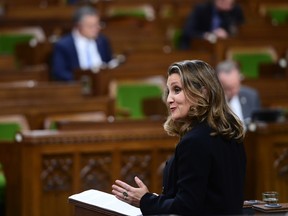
[
  {"x": 84, "y": 48},
  {"x": 211, "y": 20},
  {"x": 243, "y": 100}
]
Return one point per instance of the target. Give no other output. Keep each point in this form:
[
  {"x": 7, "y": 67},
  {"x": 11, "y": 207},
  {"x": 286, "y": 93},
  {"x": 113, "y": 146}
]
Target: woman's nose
[{"x": 169, "y": 99}]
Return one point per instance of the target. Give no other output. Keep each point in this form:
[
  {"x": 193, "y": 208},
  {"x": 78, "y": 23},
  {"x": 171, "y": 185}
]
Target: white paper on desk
[{"x": 106, "y": 201}]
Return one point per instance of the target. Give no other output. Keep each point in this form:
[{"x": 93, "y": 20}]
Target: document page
[{"x": 106, "y": 201}]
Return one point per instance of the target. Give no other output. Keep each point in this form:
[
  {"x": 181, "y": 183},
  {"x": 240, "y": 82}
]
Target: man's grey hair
[
  {"x": 226, "y": 66},
  {"x": 84, "y": 11}
]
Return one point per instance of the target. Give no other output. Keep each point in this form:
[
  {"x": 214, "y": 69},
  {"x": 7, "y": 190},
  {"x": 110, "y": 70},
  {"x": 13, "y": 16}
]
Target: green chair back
[
  {"x": 137, "y": 13},
  {"x": 2, "y": 184},
  {"x": 250, "y": 62},
  {"x": 176, "y": 38},
  {"x": 8, "y": 130},
  {"x": 9, "y": 41},
  {"x": 129, "y": 96},
  {"x": 278, "y": 15}
]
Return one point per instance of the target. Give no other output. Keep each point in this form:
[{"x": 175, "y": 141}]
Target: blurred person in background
[
  {"x": 243, "y": 100},
  {"x": 211, "y": 20},
  {"x": 84, "y": 48}
]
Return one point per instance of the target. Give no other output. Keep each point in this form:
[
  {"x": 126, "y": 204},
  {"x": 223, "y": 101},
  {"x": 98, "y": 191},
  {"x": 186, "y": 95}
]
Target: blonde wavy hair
[{"x": 201, "y": 85}]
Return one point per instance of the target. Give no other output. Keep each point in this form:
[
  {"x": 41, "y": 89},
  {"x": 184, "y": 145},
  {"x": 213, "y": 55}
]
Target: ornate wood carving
[
  {"x": 56, "y": 172},
  {"x": 96, "y": 171},
  {"x": 281, "y": 162},
  {"x": 136, "y": 164}
]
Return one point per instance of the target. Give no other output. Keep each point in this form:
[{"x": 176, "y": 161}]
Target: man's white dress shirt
[{"x": 88, "y": 55}]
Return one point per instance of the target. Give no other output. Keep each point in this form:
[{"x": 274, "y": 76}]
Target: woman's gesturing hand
[{"x": 129, "y": 194}]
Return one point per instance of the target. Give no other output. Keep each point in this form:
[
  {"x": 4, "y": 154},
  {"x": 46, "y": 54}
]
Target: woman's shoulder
[{"x": 200, "y": 132}]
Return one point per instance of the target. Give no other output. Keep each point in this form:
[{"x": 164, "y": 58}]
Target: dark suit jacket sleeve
[
  {"x": 61, "y": 63},
  {"x": 191, "y": 183}
]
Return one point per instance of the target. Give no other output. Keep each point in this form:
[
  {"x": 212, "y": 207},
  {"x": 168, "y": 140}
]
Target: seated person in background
[
  {"x": 211, "y": 20},
  {"x": 242, "y": 99},
  {"x": 83, "y": 48}
]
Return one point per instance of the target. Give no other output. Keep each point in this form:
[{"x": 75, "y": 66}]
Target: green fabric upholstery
[
  {"x": 137, "y": 13},
  {"x": 130, "y": 96},
  {"x": 278, "y": 15},
  {"x": 53, "y": 126},
  {"x": 8, "y": 130},
  {"x": 2, "y": 184},
  {"x": 177, "y": 38},
  {"x": 9, "y": 41},
  {"x": 249, "y": 62}
]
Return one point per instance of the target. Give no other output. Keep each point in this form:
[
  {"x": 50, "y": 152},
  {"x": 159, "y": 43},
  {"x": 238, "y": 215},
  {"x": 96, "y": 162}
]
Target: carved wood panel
[
  {"x": 56, "y": 172},
  {"x": 96, "y": 171}
]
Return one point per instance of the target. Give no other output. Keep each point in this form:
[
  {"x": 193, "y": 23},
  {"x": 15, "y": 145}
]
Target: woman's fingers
[
  {"x": 123, "y": 185},
  {"x": 139, "y": 182}
]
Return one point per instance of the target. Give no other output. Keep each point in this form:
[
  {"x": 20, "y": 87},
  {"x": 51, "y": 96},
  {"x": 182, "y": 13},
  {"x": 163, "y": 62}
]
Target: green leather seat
[
  {"x": 129, "y": 96},
  {"x": 128, "y": 13},
  {"x": 10, "y": 125},
  {"x": 10, "y": 40},
  {"x": 278, "y": 15},
  {"x": 249, "y": 62},
  {"x": 8, "y": 130},
  {"x": 2, "y": 191}
]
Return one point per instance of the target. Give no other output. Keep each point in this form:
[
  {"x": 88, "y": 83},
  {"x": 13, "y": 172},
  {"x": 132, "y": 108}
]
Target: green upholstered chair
[
  {"x": 10, "y": 125},
  {"x": 250, "y": 59},
  {"x": 8, "y": 42},
  {"x": 8, "y": 130},
  {"x": 2, "y": 190},
  {"x": 276, "y": 12},
  {"x": 129, "y": 96},
  {"x": 139, "y": 11},
  {"x": 278, "y": 15}
]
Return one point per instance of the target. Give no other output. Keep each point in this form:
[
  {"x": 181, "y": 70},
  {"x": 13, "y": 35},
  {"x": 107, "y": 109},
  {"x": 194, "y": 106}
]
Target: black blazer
[{"x": 204, "y": 177}]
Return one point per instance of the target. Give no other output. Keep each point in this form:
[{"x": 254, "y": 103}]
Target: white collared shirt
[
  {"x": 235, "y": 105},
  {"x": 88, "y": 55}
]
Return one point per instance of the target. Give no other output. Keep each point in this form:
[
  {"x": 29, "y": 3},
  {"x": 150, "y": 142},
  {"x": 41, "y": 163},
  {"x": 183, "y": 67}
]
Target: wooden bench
[
  {"x": 38, "y": 73},
  {"x": 273, "y": 92},
  {"x": 220, "y": 47},
  {"x": 52, "y": 18},
  {"x": 39, "y": 90},
  {"x": 112, "y": 124},
  {"x": 36, "y": 54},
  {"x": 138, "y": 65},
  {"x": 36, "y": 111}
]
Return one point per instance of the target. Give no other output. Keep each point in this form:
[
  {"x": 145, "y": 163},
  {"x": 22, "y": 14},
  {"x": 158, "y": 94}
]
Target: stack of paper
[{"x": 105, "y": 201}]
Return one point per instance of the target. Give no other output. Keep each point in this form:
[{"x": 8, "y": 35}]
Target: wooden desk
[
  {"x": 267, "y": 159},
  {"x": 81, "y": 209},
  {"x": 44, "y": 168}
]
